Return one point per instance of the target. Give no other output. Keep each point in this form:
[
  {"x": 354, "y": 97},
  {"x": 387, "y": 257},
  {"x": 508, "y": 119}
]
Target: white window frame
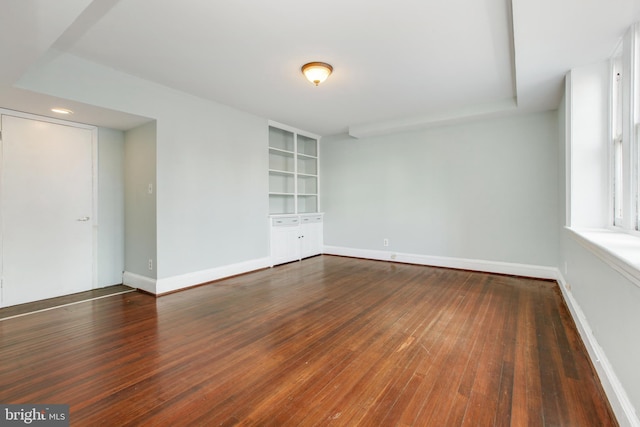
[
  {"x": 624, "y": 135},
  {"x": 617, "y": 143},
  {"x": 634, "y": 117}
]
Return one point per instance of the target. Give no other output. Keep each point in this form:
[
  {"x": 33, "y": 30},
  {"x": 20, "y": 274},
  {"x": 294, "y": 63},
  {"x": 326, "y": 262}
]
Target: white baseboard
[
  {"x": 175, "y": 283},
  {"x": 138, "y": 281},
  {"x": 526, "y": 270},
  {"x": 618, "y": 398}
]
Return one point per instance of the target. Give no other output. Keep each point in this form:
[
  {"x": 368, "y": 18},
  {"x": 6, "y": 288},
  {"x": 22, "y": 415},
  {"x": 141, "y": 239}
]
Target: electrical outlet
[
  {"x": 150, "y": 264},
  {"x": 385, "y": 242}
]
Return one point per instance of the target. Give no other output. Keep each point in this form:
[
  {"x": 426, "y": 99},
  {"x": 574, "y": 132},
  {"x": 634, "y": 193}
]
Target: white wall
[
  {"x": 212, "y": 188},
  {"x": 211, "y": 163},
  {"x": 610, "y": 303},
  {"x": 588, "y": 117},
  {"x": 140, "y": 203},
  {"x": 483, "y": 190},
  {"x": 607, "y": 301},
  {"x": 110, "y": 206}
]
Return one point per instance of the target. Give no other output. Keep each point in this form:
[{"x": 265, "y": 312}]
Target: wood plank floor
[
  {"x": 325, "y": 341},
  {"x": 30, "y": 307}
]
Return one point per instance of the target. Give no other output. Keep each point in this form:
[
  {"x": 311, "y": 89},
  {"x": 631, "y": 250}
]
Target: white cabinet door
[
  {"x": 295, "y": 237},
  {"x": 285, "y": 240},
  {"x": 311, "y": 235}
]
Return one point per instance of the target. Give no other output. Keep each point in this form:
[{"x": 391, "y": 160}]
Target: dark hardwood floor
[
  {"x": 47, "y": 304},
  {"x": 325, "y": 341}
]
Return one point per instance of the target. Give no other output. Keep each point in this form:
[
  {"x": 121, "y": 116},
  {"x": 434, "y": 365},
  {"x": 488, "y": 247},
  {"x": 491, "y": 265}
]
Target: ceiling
[{"x": 397, "y": 65}]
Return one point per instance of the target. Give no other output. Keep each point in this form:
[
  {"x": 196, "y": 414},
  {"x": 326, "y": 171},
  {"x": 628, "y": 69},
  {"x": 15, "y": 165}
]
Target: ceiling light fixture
[
  {"x": 316, "y": 72},
  {"x": 61, "y": 110}
]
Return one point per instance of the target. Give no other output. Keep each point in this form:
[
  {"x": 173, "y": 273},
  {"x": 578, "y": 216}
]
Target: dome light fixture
[{"x": 316, "y": 72}]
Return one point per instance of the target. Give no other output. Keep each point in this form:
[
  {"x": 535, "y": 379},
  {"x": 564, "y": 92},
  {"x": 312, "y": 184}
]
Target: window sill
[{"x": 618, "y": 249}]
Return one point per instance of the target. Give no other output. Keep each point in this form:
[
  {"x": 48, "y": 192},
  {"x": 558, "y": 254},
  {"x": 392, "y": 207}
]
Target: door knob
[{"x": 83, "y": 219}]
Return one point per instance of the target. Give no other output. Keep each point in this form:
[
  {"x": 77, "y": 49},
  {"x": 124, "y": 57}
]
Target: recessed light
[{"x": 61, "y": 110}]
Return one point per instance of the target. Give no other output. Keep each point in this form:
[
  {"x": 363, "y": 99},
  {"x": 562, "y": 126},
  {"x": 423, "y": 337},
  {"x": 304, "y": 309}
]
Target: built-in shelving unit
[
  {"x": 296, "y": 226},
  {"x": 293, "y": 171}
]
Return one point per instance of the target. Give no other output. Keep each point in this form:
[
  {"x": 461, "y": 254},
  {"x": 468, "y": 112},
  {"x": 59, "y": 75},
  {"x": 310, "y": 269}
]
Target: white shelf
[
  {"x": 293, "y": 171},
  {"x": 281, "y": 161},
  {"x": 307, "y": 165},
  {"x": 281, "y": 152},
  {"x": 281, "y": 203},
  {"x": 281, "y": 139},
  {"x": 307, "y": 146},
  {"x": 281, "y": 172}
]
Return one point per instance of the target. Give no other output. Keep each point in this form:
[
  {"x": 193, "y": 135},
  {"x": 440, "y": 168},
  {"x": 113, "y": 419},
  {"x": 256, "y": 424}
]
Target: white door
[{"x": 47, "y": 208}]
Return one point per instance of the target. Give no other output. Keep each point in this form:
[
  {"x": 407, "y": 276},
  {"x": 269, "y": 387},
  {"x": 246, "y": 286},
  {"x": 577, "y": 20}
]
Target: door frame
[{"x": 94, "y": 186}]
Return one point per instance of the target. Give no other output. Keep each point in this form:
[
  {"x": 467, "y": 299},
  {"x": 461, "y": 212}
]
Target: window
[
  {"x": 616, "y": 138},
  {"x": 635, "y": 118},
  {"x": 625, "y": 148}
]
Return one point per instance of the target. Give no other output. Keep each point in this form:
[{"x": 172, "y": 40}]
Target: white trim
[
  {"x": 632, "y": 113},
  {"x": 94, "y": 203},
  {"x": 174, "y": 283},
  {"x": 526, "y": 270},
  {"x": 138, "y": 281},
  {"x": 568, "y": 173},
  {"x": 1, "y": 214},
  {"x": 292, "y": 129},
  {"x": 618, "y": 398},
  {"x": 30, "y": 116},
  {"x": 441, "y": 118},
  {"x": 611, "y": 215},
  {"x": 296, "y": 198},
  {"x": 619, "y": 250}
]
